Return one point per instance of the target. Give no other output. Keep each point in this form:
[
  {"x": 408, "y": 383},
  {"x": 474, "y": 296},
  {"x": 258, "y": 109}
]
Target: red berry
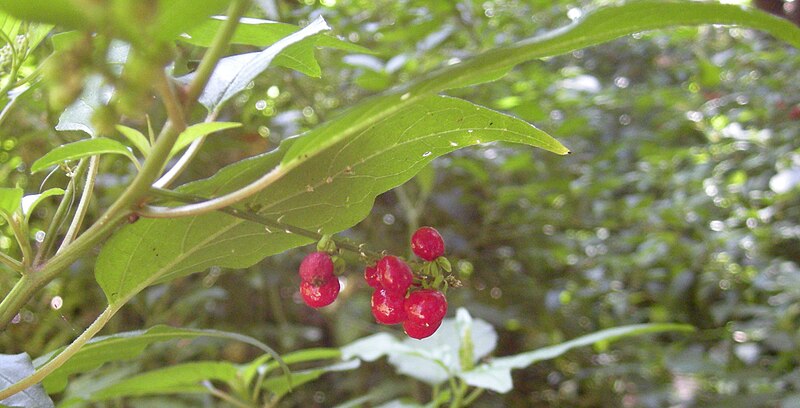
[
  {"x": 426, "y": 307},
  {"x": 420, "y": 331},
  {"x": 371, "y": 276},
  {"x": 317, "y": 294},
  {"x": 794, "y": 113},
  {"x": 427, "y": 243},
  {"x": 388, "y": 307},
  {"x": 316, "y": 267},
  {"x": 394, "y": 275}
]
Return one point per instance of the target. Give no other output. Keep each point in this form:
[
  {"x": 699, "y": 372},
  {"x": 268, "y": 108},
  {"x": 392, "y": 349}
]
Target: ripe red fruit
[
  {"x": 420, "y": 331},
  {"x": 371, "y": 276},
  {"x": 427, "y": 243},
  {"x": 394, "y": 275},
  {"x": 388, "y": 307},
  {"x": 794, "y": 113},
  {"x": 426, "y": 307},
  {"x": 318, "y": 294},
  {"x": 316, "y": 267}
]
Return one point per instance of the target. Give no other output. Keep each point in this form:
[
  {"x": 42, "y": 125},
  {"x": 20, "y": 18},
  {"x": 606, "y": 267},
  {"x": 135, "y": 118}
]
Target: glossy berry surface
[
  {"x": 371, "y": 276},
  {"x": 426, "y": 307},
  {"x": 420, "y": 331},
  {"x": 319, "y": 294},
  {"x": 394, "y": 275},
  {"x": 388, "y": 307},
  {"x": 427, "y": 243},
  {"x": 316, "y": 267}
]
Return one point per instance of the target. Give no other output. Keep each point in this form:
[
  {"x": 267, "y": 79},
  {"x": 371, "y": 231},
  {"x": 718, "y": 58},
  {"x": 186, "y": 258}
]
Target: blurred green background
[{"x": 680, "y": 203}]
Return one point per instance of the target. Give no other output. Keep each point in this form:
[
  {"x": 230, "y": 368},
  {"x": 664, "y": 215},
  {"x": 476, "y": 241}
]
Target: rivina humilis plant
[{"x": 113, "y": 65}]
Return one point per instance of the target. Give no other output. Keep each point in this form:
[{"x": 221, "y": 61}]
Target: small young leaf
[
  {"x": 30, "y": 202},
  {"x": 81, "y": 149},
  {"x": 232, "y": 74},
  {"x": 137, "y": 139},
  {"x": 197, "y": 131},
  {"x": 10, "y": 199},
  {"x": 14, "y": 367}
]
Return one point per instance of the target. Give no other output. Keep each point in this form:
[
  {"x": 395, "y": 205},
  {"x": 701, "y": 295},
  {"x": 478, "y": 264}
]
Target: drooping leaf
[
  {"x": 496, "y": 375},
  {"x": 197, "y": 131},
  {"x": 597, "y": 27},
  {"x": 30, "y": 202},
  {"x": 333, "y": 192},
  {"x": 177, "y": 379},
  {"x": 96, "y": 93},
  {"x": 81, "y": 149},
  {"x": 126, "y": 346},
  {"x": 137, "y": 139},
  {"x": 433, "y": 359},
  {"x": 14, "y": 367},
  {"x": 232, "y": 74},
  {"x": 10, "y": 199},
  {"x": 262, "y": 33}
]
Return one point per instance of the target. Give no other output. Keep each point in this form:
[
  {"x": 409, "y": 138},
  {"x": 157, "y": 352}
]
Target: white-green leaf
[
  {"x": 30, "y": 202},
  {"x": 233, "y": 74},
  {"x": 496, "y": 375},
  {"x": 15, "y": 367},
  {"x": 81, "y": 149}
]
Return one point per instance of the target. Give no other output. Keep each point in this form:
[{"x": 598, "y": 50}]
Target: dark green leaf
[
  {"x": 81, "y": 149},
  {"x": 14, "y": 367},
  {"x": 332, "y": 193},
  {"x": 178, "y": 16},
  {"x": 126, "y": 346},
  {"x": 177, "y": 379}
]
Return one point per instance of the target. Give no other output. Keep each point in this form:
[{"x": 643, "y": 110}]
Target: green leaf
[
  {"x": 600, "y": 26},
  {"x": 178, "y": 16},
  {"x": 81, "y": 149},
  {"x": 333, "y": 192},
  {"x": 262, "y": 33},
  {"x": 279, "y": 386},
  {"x": 10, "y": 199},
  {"x": 126, "y": 346},
  {"x": 249, "y": 371},
  {"x": 30, "y": 202},
  {"x": 14, "y": 367},
  {"x": 58, "y": 12},
  {"x": 137, "y": 139},
  {"x": 177, "y": 379},
  {"x": 197, "y": 131},
  {"x": 496, "y": 375},
  {"x": 233, "y": 74}
]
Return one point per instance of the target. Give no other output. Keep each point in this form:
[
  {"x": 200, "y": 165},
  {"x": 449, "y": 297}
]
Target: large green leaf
[
  {"x": 126, "y": 346},
  {"x": 597, "y": 27},
  {"x": 333, "y": 192},
  {"x": 59, "y": 12},
  {"x": 81, "y": 149},
  {"x": 496, "y": 374},
  {"x": 177, "y": 379}
]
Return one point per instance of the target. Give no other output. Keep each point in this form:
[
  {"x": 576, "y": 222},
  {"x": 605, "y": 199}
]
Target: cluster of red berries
[{"x": 397, "y": 298}]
